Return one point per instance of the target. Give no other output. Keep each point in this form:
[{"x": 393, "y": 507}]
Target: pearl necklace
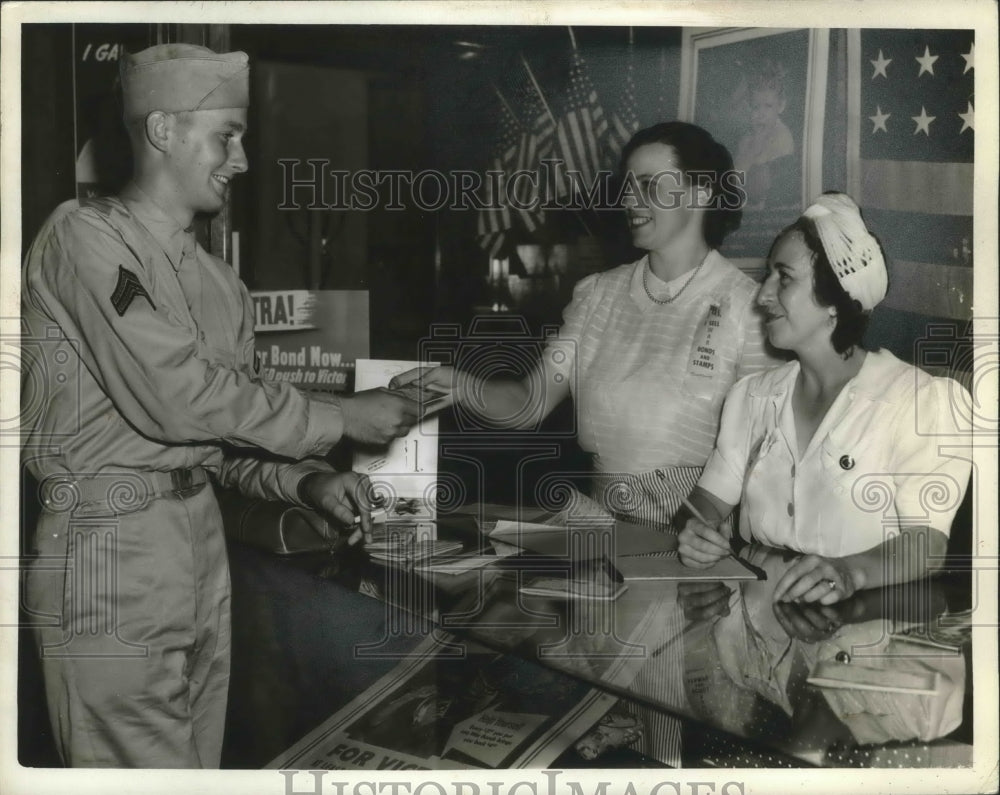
[{"x": 675, "y": 296}]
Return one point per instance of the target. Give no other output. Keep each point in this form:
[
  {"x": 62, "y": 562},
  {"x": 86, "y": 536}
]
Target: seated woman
[
  {"x": 647, "y": 350},
  {"x": 837, "y": 454}
]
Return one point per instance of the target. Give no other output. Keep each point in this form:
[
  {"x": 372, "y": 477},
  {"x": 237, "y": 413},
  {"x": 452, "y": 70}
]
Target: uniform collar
[{"x": 175, "y": 241}]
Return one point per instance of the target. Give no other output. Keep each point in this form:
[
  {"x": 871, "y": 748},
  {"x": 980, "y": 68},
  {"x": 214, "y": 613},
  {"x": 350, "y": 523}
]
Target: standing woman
[
  {"x": 647, "y": 350},
  {"x": 839, "y": 454}
]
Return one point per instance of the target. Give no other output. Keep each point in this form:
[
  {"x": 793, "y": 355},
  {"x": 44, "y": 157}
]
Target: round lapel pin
[{"x": 846, "y": 462}]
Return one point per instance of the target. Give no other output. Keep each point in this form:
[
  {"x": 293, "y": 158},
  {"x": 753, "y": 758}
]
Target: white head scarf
[{"x": 852, "y": 250}]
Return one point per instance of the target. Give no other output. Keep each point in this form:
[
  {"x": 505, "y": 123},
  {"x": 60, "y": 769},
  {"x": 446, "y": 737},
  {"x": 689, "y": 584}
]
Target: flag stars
[
  {"x": 923, "y": 122},
  {"x": 880, "y": 65},
  {"x": 970, "y": 58},
  {"x": 968, "y": 119},
  {"x": 926, "y": 62},
  {"x": 879, "y": 120}
]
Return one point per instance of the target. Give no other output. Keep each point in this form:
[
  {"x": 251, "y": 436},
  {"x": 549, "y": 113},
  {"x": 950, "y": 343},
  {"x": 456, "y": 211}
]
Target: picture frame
[{"x": 774, "y": 80}]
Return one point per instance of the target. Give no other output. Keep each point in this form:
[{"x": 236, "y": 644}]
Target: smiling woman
[
  {"x": 835, "y": 454},
  {"x": 647, "y": 350},
  {"x": 794, "y": 317}
]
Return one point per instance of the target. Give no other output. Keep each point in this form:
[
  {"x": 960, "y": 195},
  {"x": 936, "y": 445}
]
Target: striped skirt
[{"x": 645, "y": 498}]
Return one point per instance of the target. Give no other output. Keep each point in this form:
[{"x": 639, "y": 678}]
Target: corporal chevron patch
[{"x": 127, "y": 288}]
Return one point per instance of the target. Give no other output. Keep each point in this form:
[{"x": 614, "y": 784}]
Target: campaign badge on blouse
[
  {"x": 846, "y": 462},
  {"x": 704, "y": 349}
]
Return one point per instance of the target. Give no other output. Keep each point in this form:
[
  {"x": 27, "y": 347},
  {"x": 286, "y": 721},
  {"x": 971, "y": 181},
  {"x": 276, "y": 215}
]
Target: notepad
[
  {"x": 551, "y": 539},
  {"x": 667, "y": 566},
  {"x": 568, "y": 588},
  {"x": 565, "y": 578}
]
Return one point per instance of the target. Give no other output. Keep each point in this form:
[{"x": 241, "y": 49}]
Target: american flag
[
  {"x": 625, "y": 119},
  {"x": 915, "y": 134},
  {"x": 535, "y": 143},
  {"x": 583, "y": 127},
  {"x": 524, "y": 138},
  {"x": 495, "y": 219}
]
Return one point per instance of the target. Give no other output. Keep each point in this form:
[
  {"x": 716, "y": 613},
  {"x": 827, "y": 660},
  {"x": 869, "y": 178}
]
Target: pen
[
  {"x": 685, "y": 501},
  {"x": 680, "y": 495}
]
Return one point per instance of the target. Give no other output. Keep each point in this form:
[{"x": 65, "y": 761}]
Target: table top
[{"x": 881, "y": 679}]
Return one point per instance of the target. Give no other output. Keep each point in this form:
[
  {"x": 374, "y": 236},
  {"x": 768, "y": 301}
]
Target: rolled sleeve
[
  {"x": 726, "y": 466},
  {"x": 146, "y": 358}
]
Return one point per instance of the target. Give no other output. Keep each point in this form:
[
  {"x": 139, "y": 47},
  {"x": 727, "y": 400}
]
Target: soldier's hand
[
  {"x": 377, "y": 416},
  {"x": 338, "y": 497}
]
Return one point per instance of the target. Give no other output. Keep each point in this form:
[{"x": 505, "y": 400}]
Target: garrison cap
[{"x": 182, "y": 77}]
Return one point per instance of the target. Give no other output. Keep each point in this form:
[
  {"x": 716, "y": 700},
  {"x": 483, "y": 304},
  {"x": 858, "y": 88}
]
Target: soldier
[{"x": 146, "y": 352}]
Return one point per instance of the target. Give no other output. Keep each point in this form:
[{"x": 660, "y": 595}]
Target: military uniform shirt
[{"x": 142, "y": 345}]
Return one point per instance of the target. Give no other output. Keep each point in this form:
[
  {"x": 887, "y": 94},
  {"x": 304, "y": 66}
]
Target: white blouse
[
  {"x": 648, "y": 379},
  {"x": 891, "y": 451}
]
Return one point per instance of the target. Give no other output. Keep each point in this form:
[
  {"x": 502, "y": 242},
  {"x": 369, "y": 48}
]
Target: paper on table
[
  {"x": 627, "y": 538},
  {"x": 508, "y": 527},
  {"x": 568, "y": 588},
  {"x": 413, "y": 552},
  {"x": 458, "y": 565}
]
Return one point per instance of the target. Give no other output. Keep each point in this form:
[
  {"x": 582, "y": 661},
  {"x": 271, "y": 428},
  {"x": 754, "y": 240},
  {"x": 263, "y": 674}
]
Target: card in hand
[{"x": 426, "y": 396}]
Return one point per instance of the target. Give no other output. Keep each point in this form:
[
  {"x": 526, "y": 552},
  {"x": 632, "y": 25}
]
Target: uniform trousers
[{"x": 132, "y": 621}]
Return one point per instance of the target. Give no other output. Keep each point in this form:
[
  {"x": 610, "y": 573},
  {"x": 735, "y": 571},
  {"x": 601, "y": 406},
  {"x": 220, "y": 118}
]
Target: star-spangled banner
[
  {"x": 915, "y": 111},
  {"x": 904, "y": 93},
  {"x": 624, "y": 121},
  {"x": 525, "y": 136},
  {"x": 917, "y": 142},
  {"x": 581, "y": 130},
  {"x": 495, "y": 219}
]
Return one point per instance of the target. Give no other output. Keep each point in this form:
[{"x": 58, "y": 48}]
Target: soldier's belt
[{"x": 120, "y": 492}]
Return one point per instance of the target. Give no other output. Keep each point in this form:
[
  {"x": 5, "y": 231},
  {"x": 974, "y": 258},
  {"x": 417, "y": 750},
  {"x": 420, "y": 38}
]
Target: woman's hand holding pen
[{"x": 700, "y": 544}]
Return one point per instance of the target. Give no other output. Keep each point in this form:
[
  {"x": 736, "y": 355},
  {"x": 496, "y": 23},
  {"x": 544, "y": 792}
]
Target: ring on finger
[{"x": 832, "y": 584}]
